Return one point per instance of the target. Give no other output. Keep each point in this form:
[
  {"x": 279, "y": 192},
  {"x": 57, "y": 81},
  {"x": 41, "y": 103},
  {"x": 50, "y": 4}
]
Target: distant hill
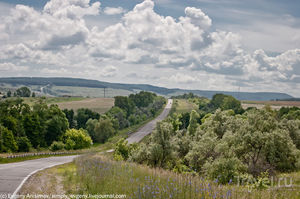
[{"x": 49, "y": 83}]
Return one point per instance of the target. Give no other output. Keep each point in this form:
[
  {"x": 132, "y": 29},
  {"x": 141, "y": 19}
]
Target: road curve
[
  {"x": 13, "y": 175},
  {"x": 149, "y": 127}
]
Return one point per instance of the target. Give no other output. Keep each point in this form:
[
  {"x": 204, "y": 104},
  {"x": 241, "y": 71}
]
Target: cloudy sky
[{"x": 253, "y": 45}]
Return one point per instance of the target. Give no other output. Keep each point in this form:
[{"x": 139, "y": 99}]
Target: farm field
[
  {"x": 99, "y": 105},
  {"x": 274, "y": 104},
  {"x": 89, "y": 92}
]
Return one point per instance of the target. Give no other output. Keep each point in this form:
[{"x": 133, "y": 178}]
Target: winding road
[
  {"x": 149, "y": 127},
  {"x": 14, "y": 175}
]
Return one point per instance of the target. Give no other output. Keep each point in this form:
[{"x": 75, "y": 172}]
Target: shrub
[
  {"x": 56, "y": 146},
  {"x": 224, "y": 170},
  {"x": 24, "y": 144},
  {"x": 123, "y": 150},
  {"x": 77, "y": 139}
]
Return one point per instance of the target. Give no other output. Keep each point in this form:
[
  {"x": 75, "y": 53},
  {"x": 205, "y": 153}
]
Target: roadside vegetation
[
  {"x": 222, "y": 142},
  {"x": 213, "y": 149},
  {"x": 97, "y": 174},
  {"x": 41, "y": 127}
]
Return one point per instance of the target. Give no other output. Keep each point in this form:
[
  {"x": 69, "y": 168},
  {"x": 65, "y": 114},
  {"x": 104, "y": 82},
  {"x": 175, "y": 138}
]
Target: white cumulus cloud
[
  {"x": 113, "y": 10},
  {"x": 57, "y": 40}
]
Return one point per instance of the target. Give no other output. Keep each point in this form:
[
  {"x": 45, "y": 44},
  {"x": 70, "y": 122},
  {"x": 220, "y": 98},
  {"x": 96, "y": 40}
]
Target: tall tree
[
  {"x": 193, "y": 123},
  {"x": 56, "y": 125},
  {"x": 23, "y": 92}
]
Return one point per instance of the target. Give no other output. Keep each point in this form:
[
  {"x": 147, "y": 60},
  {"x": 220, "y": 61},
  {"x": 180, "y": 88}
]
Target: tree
[
  {"x": 33, "y": 94},
  {"x": 8, "y": 94},
  {"x": 217, "y": 100},
  {"x": 125, "y": 103},
  {"x": 120, "y": 115},
  {"x": 193, "y": 123},
  {"x": 77, "y": 139},
  {"x": 24, "y": 144},
  {"x": 160, "y": 149},
  {"x": 142, "y": 99},
  {"x": 70, "y": 116},
  {"x": 83, "y": 115},
  {"x": 185, "y": 120},
  {"x": 56, "y": 125},
  {"x": 103, "y": 130},
  {"x": 225, "y": 102},
  {"x": 34, "y": 130},
  {"x": 230, "y": 102},
  {"x": 23, "y": 92},
  {"x": 90, "y": 127},
  {"x": 7, "y": 140}
]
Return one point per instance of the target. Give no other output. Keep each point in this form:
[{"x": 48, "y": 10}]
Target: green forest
[{"x": 39, "y": 127}]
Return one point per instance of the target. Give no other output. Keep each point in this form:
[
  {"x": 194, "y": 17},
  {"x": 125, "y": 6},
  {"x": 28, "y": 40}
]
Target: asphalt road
[
  {"x": 149, "y": 127},
  {"x": 12, "y": 175}
]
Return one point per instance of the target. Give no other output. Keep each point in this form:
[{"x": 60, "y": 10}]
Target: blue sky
[{"x": 194, "y": 44}]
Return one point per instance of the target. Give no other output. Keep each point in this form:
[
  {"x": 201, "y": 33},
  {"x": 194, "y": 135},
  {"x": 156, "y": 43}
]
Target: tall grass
[{"x": 100, "y": 175}]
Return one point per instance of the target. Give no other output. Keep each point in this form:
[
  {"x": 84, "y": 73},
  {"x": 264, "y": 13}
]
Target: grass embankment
[
  {"x": 97, "y": 174},
  {"x": 183, "y": 106}
]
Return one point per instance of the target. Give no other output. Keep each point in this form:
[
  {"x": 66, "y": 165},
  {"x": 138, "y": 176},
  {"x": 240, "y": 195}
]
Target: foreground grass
[{"x": 100, "y": 175}]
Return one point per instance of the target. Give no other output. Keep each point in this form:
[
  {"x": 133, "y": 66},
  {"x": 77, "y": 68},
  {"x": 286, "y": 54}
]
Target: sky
[{"x": 229, "y": 45}]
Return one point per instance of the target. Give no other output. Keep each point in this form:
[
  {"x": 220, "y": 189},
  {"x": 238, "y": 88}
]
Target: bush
[
  {"x": 224, "y": 170},
  {"x": 77, "y": 139},
  {"x": 56, "y": 146},
  {"x": 123, "y": 150},
  {"x": 24, "y": 144}
]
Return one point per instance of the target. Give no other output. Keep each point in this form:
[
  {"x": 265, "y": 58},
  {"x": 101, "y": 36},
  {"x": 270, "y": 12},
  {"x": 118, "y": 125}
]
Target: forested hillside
[{"x": 48, "y": 83}]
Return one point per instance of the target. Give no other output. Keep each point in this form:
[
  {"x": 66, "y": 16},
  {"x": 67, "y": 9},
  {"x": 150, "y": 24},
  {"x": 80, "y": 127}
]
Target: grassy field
[
  {"x": 51, "y": 100},
  {"x": 183, "y": 106},
  {"x": 98, "y": 174},
  {"x": 89, "y": 92},
  {"x": 274, "y": 104},
  {"x": 100, "y": 105}
]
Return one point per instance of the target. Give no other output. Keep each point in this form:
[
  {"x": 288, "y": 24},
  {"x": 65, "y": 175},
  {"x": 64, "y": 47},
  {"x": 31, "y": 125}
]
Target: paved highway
[
  {"x": 13, "y": 175},
  {"x": 149, "y": 127}
]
